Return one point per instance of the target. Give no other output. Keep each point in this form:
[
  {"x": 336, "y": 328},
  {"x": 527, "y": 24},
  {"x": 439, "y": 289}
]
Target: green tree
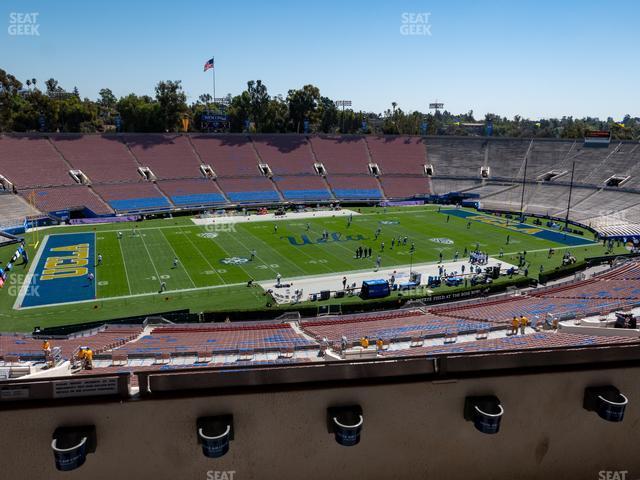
[{"x": 172, "y": 103}]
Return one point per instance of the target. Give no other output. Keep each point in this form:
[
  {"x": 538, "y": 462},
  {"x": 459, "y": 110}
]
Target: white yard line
[
  {"x": 124, "y": 262},
  {"x": 151, "y": 259},
  {"x": 176, "y": 256},
  {"x": 186, "y": 234}
]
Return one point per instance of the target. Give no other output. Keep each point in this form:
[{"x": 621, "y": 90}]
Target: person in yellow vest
[
  {"x": 379, "y": 344},
  {"x": 524, "y": 321},
  {"x": 88, "y": 359},
  {"x": 364, "y": 342},
  {"x": 46, "y": 349},
  {"x": 515, "y": 323}
]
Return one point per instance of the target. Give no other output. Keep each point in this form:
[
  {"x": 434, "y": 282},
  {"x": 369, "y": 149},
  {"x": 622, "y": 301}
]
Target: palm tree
[
  {"x": 28, "y": 82},
  {"x": 33, "y": 82}
]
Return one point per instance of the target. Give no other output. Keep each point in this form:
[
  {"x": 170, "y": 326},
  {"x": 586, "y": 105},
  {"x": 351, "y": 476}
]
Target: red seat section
[
  {"x": 31, "y": 161},
  {"x": 72, "y": 197},
  {"x": 102, "y": 158},
  {"x": 404, "y": 187},
  {"x": 228, "y": 155},
  {"x": 398, "y": 155},
  {"x": 285, "y": 154},
  {"x": 342, "y": 154},
  {"x": 168, "y": 156}
]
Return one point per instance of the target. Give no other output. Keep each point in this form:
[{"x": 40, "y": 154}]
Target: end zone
[{"x": 60, "y": 272}]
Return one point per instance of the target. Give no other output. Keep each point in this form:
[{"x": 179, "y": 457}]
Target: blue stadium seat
[
  {"x": 197, "y": 199},
  {"x": 139, "y": 203},
  {"x": 358, "y": 193},
  {"x": 253, "y": 196},
  {"x": 306, "y": 194}
]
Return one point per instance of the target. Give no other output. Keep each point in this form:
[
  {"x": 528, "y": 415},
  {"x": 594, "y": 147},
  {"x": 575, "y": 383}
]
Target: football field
[{"x": 214, "y": 262}]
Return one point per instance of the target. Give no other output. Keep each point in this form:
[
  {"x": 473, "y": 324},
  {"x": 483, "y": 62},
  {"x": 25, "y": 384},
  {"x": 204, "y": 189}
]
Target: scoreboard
[{"x": 597, "y": 138}]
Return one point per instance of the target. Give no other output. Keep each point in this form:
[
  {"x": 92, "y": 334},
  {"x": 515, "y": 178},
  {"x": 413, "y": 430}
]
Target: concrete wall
[{"x": 411, "y": 430}]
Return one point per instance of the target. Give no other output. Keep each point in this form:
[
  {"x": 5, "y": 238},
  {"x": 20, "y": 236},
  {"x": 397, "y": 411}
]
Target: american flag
[{"x": 208, "y": 65}]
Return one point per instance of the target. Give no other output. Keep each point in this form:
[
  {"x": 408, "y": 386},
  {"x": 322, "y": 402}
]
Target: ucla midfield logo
[{"x": 333, "y": 237}]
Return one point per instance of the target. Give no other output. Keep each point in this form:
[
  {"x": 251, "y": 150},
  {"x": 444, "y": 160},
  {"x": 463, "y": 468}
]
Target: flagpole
[{"x": 214, "y": 81}]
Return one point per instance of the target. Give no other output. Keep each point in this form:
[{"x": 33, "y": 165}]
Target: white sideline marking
[
  {"x": 27, "y": 281},
  {"x": 270, "y": 217}
]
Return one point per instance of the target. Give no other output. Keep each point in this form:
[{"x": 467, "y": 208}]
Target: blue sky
[{"x": 533, "y": 58}]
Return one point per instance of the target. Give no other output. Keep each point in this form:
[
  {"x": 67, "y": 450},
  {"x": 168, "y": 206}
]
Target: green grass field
[{"x": 128, "y": 280}]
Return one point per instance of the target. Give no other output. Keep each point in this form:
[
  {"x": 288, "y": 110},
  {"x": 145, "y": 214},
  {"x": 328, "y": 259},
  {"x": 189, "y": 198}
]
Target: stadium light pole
[
  {"x": 566, "y": 219},
  {"x": 343, "y": 103},
  {"x": 436, "y": 106},
  {"x": 524, "y": 179}
]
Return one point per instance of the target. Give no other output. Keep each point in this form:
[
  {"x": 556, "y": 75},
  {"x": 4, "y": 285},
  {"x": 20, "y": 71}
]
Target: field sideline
[{"x": 214, "y": 261}]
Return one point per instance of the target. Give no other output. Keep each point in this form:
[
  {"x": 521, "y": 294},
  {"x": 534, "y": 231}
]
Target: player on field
[
  {"x": 99, "y": 259},
  {"x": 163, "y": 287},
  {"x": 175, "y": 262},
  {"x": 253, "y": 255},
  {"x": 90, "y": 277},
  {"x": 119, "y": 235}
]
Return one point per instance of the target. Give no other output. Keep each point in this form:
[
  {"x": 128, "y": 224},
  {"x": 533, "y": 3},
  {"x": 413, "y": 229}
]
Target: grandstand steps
[
  {"x": 60, "y": 154},
  {"x": 260, "y": 160},
  {"x": 193, "y": 149},
  {"x": 275, "y": 186},
  {"x": 98, "y": 197},
  {"x": 165, "y": 196},
  {"x": 324, "y": 177},
  {"x": 582, "y": 200},
  {"x": 130, "y": 152},
  {"x": 505, "y": 189},
  {"x": 602, "y": 165},
  {"x": 224, "y": 194},
  {"x": 370, "y": 159}
]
